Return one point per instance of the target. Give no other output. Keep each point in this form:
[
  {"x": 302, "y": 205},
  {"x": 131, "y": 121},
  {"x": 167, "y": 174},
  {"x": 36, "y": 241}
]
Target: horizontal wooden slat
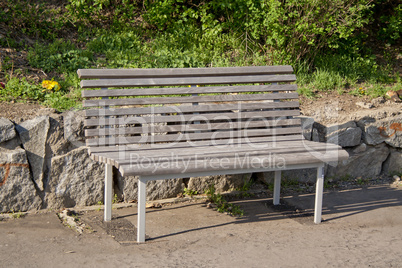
[
  {"x": 142, "y": 82},
  {"x": 276, "y": 161},
  {"x": 172, "y": 154},
  {"x": 184, "y": 90},
  {"x": 190, "y": 118},
  {"x": 188, "y": 108},
  {"x": 190, "y": 99},
  {"x": 190, "y": 127},
  {"x": 183, "y": 72},
  {"x": 193, "y": 136},
  {"x": 162, "y": 155},
  {"x": 258, "y": 141}
]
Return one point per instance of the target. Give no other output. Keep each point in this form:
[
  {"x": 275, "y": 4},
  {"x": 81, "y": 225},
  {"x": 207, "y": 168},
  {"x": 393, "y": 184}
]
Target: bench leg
[
  {"x": 141, "y": 210},
  {"x": 277, "y": 187},
  {"x": 108, "y": 192},
  {"x": 318, "y": 194}
]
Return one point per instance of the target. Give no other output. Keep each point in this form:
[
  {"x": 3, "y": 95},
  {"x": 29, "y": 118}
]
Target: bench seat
[
  {"x": 161, "y": 124},
  {"x": 185, "y": 158}
]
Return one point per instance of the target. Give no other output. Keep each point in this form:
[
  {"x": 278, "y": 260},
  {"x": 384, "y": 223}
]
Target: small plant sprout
[
  {"x": 189, "y": 192},
  {"x": 221, "y": 204}
]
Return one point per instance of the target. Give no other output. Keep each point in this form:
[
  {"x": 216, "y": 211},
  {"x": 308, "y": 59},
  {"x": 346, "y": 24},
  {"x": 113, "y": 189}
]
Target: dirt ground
[
  {"x": 327, "y": 108},
  {"x": 361, "y": 228}
]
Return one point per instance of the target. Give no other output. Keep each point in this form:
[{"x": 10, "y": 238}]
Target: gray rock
[
  {"x": 393, "y": 164},
  {"x": 17, "y": 191},
  {"x": 345, "y": 135},
  {"x": 75, "y": 180},
  {"x": 56, "y": 144},
  {"x": 10, "y": 144},
  {"x": 7, "y": 130},
  {"x": 361, "y": 148},
  {"x": 33, "y": 134},
  {"x": 222, "y": 183},
  {"x": 127, "y": 188},
  {"x": 366, "y": 163},
  {"x": 301, "y": 175},
  {"x": 307, "y": 126},
  {"x": 162, "y": 189},
  {"x": 74, "y": 128},
  {"x": 387, "y": 130},
  {"x": 315, "y": 135}
]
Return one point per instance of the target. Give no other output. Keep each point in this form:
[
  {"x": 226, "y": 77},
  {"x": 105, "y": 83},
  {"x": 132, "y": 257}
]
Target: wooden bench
[{"x": 177, "y": 123}]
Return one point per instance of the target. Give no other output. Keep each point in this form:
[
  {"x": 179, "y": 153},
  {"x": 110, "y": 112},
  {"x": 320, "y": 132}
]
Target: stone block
[
  {"x": 7, "y": 130},
  {"x": 74, "y": 128},
  {"x": 56, "y": 145},
  {"x": 301, "y": 175},
  {"x": 393, "y": 164},
  {"x": 366, "y": 164},
  {"x": 307, "y": 126},
  {"x": 388, "y": 130},
  {"x": 127, "y": 188},
  {"x": 74, "y": 180},
  {"x": 345, "y": 135},
  {"x": 33, "y": 134},
  {"x": 222, "y": 183},
  {"x": 10, "y": 144},
  {"x": 17, "y": 190}
]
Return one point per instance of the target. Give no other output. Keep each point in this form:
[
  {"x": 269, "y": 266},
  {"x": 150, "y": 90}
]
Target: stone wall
[
  {"x": 374, "y": 147},
  {"x": 44, "y": 162}
]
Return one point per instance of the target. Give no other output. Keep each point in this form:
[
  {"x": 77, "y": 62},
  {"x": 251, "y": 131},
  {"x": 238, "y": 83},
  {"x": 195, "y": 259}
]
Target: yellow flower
[{"x": 51, "y": 85}]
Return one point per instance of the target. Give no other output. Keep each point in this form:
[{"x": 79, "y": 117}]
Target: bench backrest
[{"x": 142, "y": 106}]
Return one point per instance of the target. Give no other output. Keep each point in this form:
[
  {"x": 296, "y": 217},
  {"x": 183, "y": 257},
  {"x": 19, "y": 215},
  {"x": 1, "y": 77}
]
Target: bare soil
[
  {"x": 330, "y": 107},
  {"x": 327, "y": 108}
]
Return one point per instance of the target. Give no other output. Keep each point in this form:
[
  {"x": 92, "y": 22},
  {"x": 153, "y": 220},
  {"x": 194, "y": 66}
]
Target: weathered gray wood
[
  {"x": 233, "y": 163},
  {"x": 189, "y": 99},
  {"x": 193, "y": 136},
  {"x": 170, "y": 155},
  {"x": 189, "y": 117},
  {"x": 187, "y": 72},
  {"x": 190, "y": 108},
  {"x": 185, "y": 90},
  {"x": 206, "y": 149},
  {"x": 268, "y": 141},
  {"x": 190, "y": 127},
  {"x": 143, "y": 82},
  {"x": 167, "y": 155}
]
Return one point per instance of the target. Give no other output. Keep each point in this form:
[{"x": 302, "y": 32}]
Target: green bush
[
  {"x": 325, "y": 41},
  {"x": 61, "y": 56},
  {"x": 293, "y": 29},
  {"x": 34, "y": 19},
  {"x": 386, "y": 20}
]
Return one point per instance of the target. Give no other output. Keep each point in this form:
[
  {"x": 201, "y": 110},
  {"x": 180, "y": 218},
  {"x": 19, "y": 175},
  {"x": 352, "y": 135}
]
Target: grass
[{"x": 357, "y": 75}]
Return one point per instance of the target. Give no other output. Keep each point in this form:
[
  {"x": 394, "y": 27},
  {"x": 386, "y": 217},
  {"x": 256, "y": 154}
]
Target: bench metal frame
[{"x": 142, "y": 182}]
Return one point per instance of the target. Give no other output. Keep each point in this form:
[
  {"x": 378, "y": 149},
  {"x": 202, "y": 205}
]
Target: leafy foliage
[
  {"x": 325, "y": 41},
  {"x": 286, "y": 30},
  {"x": 60, "y": 55},
  {"x": 33, "y": 18}
]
